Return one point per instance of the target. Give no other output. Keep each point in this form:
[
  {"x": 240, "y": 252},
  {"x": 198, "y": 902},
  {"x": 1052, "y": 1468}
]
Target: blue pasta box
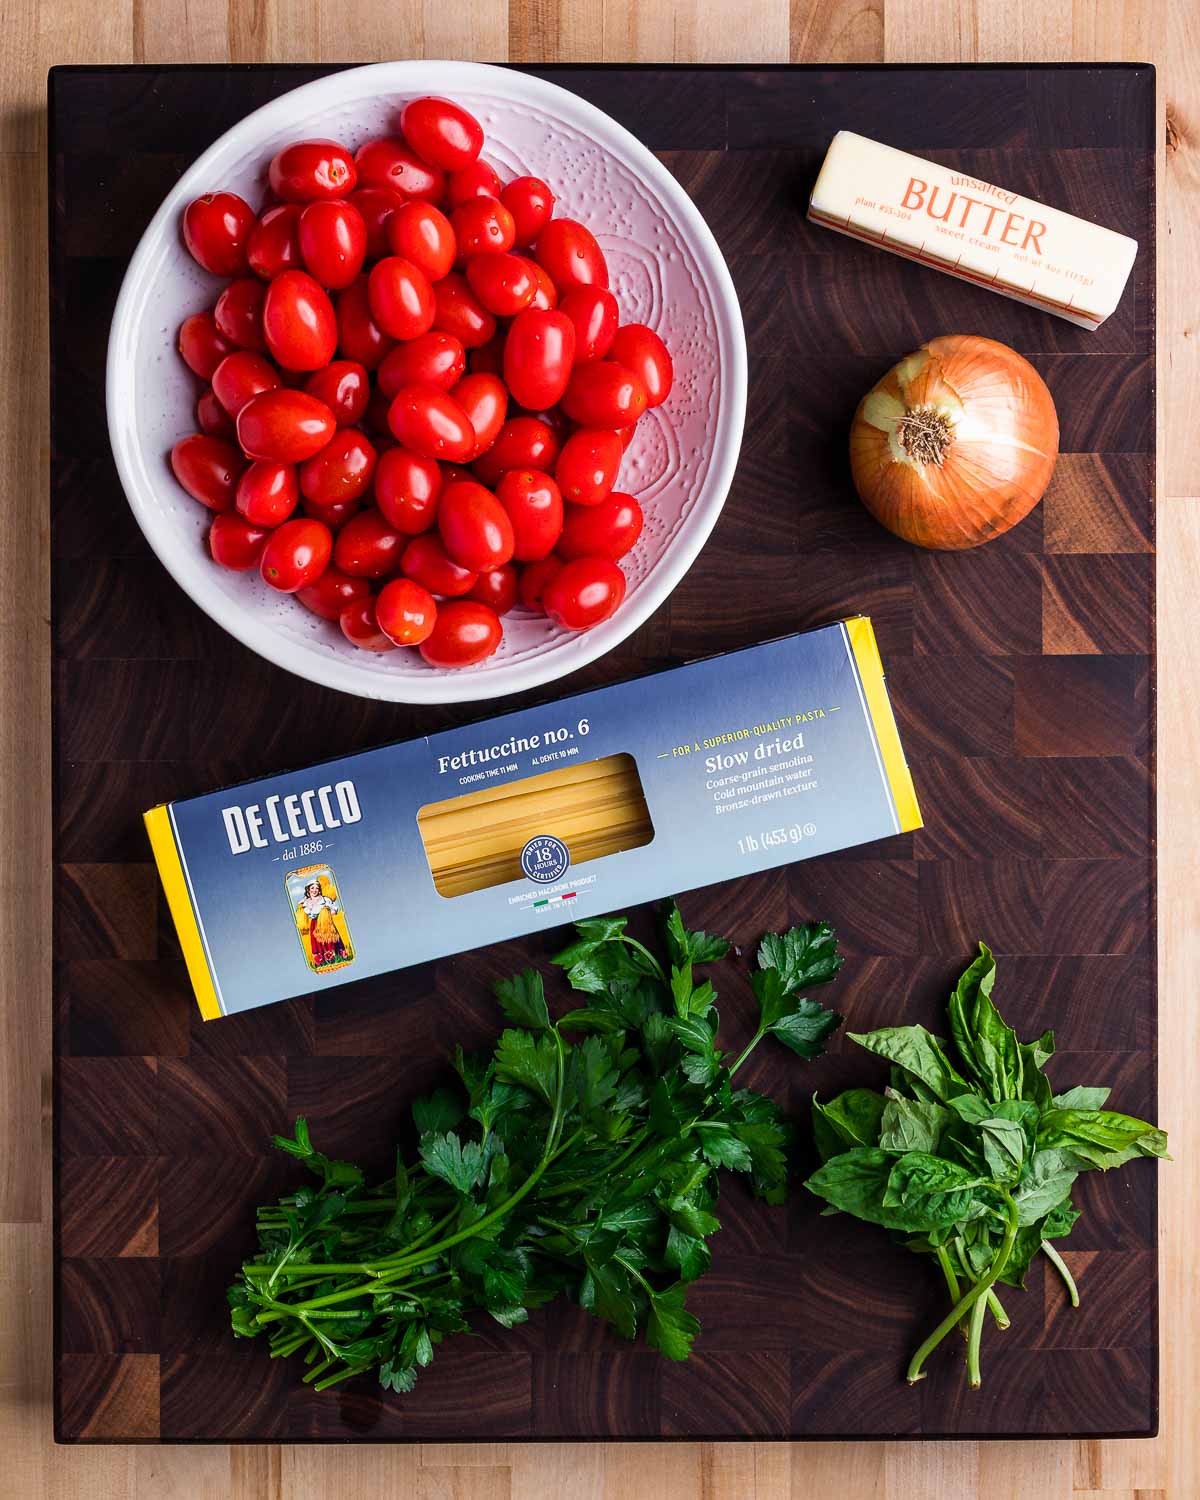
[{"x": 307, "y": 879}]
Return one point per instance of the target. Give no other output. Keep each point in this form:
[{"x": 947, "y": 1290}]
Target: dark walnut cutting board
[{"x": 1022, "y": 676}]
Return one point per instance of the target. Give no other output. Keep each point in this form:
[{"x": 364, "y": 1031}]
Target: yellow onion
[{"x": 955, "y": 444}]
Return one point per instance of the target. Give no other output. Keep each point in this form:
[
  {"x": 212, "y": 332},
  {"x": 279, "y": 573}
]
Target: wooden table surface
[{"x": 858, "y": 30}]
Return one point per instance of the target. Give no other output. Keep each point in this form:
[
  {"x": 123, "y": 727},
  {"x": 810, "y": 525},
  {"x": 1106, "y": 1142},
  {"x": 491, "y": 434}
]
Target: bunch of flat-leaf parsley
[
  {"x": 579, "y": 1157},
  {"x": 971, "y": 1164}
]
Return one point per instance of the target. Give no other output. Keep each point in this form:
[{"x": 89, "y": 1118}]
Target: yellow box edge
[
  {"x": 179, "y": 902},
  {"x": 870, "y": 670}
]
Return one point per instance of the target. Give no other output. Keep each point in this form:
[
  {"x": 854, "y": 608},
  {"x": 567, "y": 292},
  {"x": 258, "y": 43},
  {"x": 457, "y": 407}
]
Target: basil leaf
[
  {"x": 1100, "y": 1138},
  {"x": 988, "y": 1046},
  {"x": 1004, "y": 1147},
  {"x": 920, "y": 1055},
  {"x": 1048, "y": 1179},
  {"x": 1082, "y": 1098},
  {"x": 915, "y": 1193},
  {"x": 853, "y": 1118},
  {"x": 910, "y": 1125}
]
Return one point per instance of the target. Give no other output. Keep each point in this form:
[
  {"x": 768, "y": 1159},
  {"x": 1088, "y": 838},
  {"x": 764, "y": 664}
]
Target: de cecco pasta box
[{"x": 623, "y": 794}]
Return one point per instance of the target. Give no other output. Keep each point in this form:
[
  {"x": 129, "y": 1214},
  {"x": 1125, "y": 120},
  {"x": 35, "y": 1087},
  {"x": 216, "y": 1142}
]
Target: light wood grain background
[{"x": 34, "y": 34}]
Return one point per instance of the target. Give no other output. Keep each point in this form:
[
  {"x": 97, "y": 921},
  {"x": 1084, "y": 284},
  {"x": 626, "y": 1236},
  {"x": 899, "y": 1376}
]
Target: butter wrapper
[{"x": 944, "y": 218}]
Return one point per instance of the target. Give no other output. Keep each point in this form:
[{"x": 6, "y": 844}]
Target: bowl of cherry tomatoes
[{"x": 427, "y": 382}]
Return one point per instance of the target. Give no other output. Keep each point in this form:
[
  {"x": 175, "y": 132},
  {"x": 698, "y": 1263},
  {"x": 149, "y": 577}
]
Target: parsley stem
[
  {"x": 408, "y": 1261},
  {"x": 645, "y": 952},
  {"x": 754, "y": 1041},
  {"x": 1063, "y": 1270},
  {"x": 967, "y": 1302},
  {"x": 634, "y": 1146}
]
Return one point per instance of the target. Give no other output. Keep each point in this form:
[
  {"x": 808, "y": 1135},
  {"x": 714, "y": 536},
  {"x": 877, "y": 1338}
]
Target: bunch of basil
[{"x": 972, "y": 1164}]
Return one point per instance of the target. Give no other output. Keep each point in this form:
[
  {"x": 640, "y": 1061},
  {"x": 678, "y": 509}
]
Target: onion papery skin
[{"x": 989, "y": 413}]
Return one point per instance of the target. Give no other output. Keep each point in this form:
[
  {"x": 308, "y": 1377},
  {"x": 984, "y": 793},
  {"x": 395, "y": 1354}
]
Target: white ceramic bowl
[{"x": 666, "y": 271}]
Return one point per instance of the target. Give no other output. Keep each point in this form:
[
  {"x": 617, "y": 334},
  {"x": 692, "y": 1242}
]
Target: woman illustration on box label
[{"x": 320, "y": 920}]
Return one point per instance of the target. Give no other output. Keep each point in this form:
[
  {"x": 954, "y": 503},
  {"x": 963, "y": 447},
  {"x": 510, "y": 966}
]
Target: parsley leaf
[{"x": 576, "y": 1158}]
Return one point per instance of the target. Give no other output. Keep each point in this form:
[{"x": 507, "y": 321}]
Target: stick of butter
[{"x": 971, "y": 229}]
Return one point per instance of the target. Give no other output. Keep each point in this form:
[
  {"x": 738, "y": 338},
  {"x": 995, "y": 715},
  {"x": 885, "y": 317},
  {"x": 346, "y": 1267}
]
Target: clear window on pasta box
[{"x": 567, "y": 816}]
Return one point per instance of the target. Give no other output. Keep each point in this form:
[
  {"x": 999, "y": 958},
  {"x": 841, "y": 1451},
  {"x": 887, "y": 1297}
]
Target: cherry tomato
[
  {"x": 476, "y": 181},
  {"x": 535, "y": 577},
  {"x": 400, "y": 298},
  {"x": 546, "y": 293},
  {"x": 504, "y": 283},
  {"x": 586, "y": 591},
  {"x": 343, "y": 470},
  {"x": 333, "y": 242},
  {"x": 361, "y": 628},
  {"x": 587, "y": 466},
  {"x": 538, "y": 355},
  {"x": 428, "y": 563},
  {"x": 451, "y": 473},
  {"x": 234, "y": 542},
  {"x": 407, "y": 487},
  {"x": 423, "y": 235},
  {"x": 485, "y": 401},
  {"x": 299, "y": 322},
  {"x": 208, "y": 469},
  {"x": 481, "y": 225},
  {"x": 608, "y": 530},
  {"x": 488, "y": 359},
  {"x": 334, "y": 516},
  {"x": 330, "y": 594},
  {"x": 431, "y": 423},
  {"x": 474, "y": 526},
  {"x": 344, "y": 387},
  {"x": 568, "y": 250},
  {"x": 238, "y": 314},
  {"x": 460, "y": 312},
  {"x": 594, "y": 312},
  {"x": 466, "y": 632},
  {"x": 216, "y": 228},
  {"x": 534, "y": 505},
  {"x": 498, "y": 588},
  {"x": 375, "y": 207},
  {"x": 387, "y": 162},
  {"x": 296, "y": 555},
  {"x": 531, "y": 203},
  {"x": 307, "y": 171},
  {"x": 605, "y": 394},
  {"x": 268, "y": 493},
  {"x": 405, "y": 612},
  {"x": 522, "y": 443},
  {"x": 442, "y": 133},
  {"x": 202, "y": 345},
  {"x": 360, "y": 338},
  {"x": 641, "y": 350},
  {"x": 274, "y": 243},
  {"x": 367, "y": 547},
  {"x": 433, "y": 358},
  {"x": 240, "y": 377},
  {"x": 288, "y": 426},
  {"x": 212, "y": 418}
]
